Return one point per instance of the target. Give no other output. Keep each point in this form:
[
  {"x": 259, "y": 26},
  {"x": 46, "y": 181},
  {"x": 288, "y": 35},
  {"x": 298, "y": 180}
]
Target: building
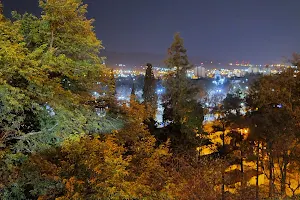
[
  {"x": 237, "y": 73},
  {"x": 253, "y": 70},
  {"x": 218, "y": 75},
  {"x": 199, "y": 72},
  {"x": 267, "y": 71}
]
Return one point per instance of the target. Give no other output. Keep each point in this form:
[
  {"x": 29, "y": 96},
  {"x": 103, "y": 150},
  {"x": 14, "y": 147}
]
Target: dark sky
[{"x": 254, "y": 30}]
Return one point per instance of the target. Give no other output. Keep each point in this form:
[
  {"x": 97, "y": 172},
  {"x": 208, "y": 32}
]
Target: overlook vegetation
[{"x": 60, "y": 141}]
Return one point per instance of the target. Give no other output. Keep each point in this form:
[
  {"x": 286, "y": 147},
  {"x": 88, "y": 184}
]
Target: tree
[
  {"x": 105, "y": 92},
  {"x": 126, "y": 165},
  {"x": 112, "y": 101},
  {"x": 193, "y": 179},
  {"x": 274, "y": 103},
  {"x": 229, "y": 136},
  {"x": 52, "y": 65},
  {"x": 112, "y": 84},
  {"x": 47, "y": 67},
  {"x": 233, "y": 114},
  {"x": 132, "y": 94},
  {"x": 149, "y": 93},
  {"x": 70, "y": 35},
  {"x": 181, "y": 108},
  {"x": 16, "y": 104}
]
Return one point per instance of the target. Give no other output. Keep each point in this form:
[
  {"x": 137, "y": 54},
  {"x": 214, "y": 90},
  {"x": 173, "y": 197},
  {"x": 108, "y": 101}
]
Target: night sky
[{"x": 258, "y": 31}]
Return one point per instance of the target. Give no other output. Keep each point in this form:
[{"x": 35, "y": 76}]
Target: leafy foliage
[{"x": 49, "y": 65}]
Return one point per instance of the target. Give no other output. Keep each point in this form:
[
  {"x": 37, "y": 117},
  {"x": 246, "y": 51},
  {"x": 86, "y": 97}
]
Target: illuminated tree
[
  {"x": 274, "y": 104},
  {"x": 52, "y": 67},
  {"x": 47, "y": 67}
]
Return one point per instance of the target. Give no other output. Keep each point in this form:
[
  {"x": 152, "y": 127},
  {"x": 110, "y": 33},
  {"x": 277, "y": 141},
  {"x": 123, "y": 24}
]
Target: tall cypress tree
[{"x": 149, "y": 95}]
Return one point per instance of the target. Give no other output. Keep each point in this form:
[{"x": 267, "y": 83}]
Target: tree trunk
[
  {"x": 257, "y": 172},
  {"x": 223, "y": 168},
  {"x": 271, "y": 175},
  {"x": 283, "y": 172},
  {"x": 242, "y": 165},
  {"x": 223, "y": 185},
  {"x": 242, "y": 172}
]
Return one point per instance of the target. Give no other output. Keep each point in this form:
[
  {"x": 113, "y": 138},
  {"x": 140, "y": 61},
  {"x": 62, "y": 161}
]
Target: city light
[{"x": 159, "y": 91}]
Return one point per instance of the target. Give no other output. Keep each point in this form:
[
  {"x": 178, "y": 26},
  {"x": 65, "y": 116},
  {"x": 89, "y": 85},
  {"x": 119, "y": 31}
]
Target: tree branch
[{"x": 23, "y": 137}]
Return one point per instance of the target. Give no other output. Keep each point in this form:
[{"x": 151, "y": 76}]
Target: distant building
[
  {"x": 253, "y": 70},
  {"x": 218, "y": 75},
  {"x": 237, "y": 73},
  {"x": 199, "y": 72},
  {"x": 267, "y": 71}
]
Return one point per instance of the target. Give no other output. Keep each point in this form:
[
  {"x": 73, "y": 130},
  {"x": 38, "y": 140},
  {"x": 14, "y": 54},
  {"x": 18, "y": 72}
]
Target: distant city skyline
[
  {"x": 138, "y": 59},
  {"x": 256, "y": 31}
]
